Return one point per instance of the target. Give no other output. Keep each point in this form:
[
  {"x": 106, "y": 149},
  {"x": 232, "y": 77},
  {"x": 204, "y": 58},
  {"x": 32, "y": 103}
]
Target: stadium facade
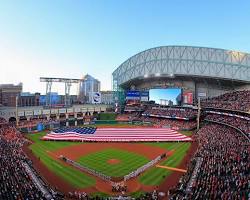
[{"x": 206, "y": 72}]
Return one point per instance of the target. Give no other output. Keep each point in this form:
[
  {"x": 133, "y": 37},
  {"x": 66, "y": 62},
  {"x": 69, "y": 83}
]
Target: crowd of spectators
[
  {"x": 164, "y": 117},
  {"x": 119, "y": 187},
  {"x": 2, "y": 121},
  {"x": 34, "y": 122},
  {"x": 220, "y": 169},
  {"x": 128, "y": 116},
  {"x": 78, "y": 195},
  {"x": 178, "y": 124},
  {"x": 223, "y": 170},
  {"x": 31, "y": 122},
  {"x": 155, "y": 195},
  {"x": 172, "y": 123},
  {"x": 87, "y": 169},
  {"x": 132, "y": 108},
  {"x": 242, "y": 124},
  {"x": 123, "y": 117},
  {"x": 16, "y": 182},
  {"x": 171, "y": 112},
  {"x": 238, "y": 100},
  {"x": 143, "y": 168}
]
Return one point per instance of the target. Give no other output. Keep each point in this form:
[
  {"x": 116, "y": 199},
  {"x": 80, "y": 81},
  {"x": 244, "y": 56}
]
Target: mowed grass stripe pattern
[
  {"x": 73, "y": 176},
  {"x": 155, "y": 176},
  {"x": 129, "y": 161}
]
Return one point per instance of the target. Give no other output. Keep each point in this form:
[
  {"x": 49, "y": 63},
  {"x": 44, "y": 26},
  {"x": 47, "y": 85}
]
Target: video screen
[{"x": 169, "y": 96}]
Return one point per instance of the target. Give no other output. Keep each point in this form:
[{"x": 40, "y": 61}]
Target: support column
[
  {"x": 75, "y": 116},
  {"x": 67, "y": 118}
]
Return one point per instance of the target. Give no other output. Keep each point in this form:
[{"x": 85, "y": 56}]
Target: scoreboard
[{"x": 137, "y": 95}]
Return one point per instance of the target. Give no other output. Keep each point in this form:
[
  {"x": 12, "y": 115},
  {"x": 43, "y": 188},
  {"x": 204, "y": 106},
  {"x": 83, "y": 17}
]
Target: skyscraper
[{"x": 87, "y": 87}]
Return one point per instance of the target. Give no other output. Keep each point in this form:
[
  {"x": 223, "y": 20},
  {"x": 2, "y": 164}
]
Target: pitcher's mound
[{"x": 113, "y": 161}]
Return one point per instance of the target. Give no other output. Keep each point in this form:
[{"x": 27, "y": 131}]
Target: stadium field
[
  {"x": 155, "y": 176},
  {"x": 124, "y": 160},
  {"x": 69, "y": 174}
]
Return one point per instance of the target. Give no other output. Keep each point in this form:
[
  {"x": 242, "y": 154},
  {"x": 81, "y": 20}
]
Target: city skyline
[{"x": 69, "y": 39}]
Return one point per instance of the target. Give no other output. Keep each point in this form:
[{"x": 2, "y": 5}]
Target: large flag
[{"x": 117, "y": 135}]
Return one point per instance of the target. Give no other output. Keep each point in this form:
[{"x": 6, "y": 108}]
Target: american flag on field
[
  {"x": 80, "y": 130},
  {"x": 116, "y": 135}
]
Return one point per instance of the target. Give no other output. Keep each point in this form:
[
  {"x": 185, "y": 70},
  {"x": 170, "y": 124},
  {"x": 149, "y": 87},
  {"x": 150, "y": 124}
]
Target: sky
[
  {"x": 167, "y": 94},
  {"x": 70, "y": 38}
]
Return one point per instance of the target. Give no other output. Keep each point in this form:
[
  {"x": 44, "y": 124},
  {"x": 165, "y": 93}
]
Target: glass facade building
[{"x": 87, "y": 87}]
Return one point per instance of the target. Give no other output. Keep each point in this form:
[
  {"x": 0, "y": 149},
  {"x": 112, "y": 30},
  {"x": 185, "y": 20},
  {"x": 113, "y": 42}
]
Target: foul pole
[
  {"x": 17, "y": 120},
  {"x": 199, "y": 113}
]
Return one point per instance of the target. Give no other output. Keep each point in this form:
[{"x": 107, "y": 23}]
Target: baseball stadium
[{"x": 192, "y": 144}]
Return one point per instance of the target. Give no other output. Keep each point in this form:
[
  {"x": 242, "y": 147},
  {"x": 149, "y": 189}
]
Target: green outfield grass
[
  {"x": 187, "y": 133},
  {"x": 128, "y": 162},
  {"x": 107, "y": 116},
  {"x": 156, "y": 176},
  {"x": 69, "y": 174}
]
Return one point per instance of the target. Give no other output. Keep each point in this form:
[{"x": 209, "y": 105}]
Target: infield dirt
[
  {"x": 113, "y": 161},
  {"x": 77, "y": 151}
]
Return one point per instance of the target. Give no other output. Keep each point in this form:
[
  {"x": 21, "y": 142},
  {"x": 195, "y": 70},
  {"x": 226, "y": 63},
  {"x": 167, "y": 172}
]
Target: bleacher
[
  {"x": 176, "y": 113},
  {"x": 237, "y": 100}
]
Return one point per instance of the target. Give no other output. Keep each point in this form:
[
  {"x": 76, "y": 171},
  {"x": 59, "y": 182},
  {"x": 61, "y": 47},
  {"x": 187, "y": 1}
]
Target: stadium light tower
[
  {"x": 48, "y": 92},
  {"x": 67, "y": 93},
  {"x": 68, "y": 82}
]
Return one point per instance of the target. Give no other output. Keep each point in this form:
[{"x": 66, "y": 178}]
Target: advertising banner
[
  {"x": 187, "y": 97},
  {"x": 96, "y": 98},
  {"x": 54, "y": 111},
  {"x": 28, "y": 112},
  {"x": 62, "y": 110},
  {"x": 70, "y": 110},
  {"x": 76, "y": 110},
  {"x": 133, "y": 95},
  {"x": 46, "y": 112},
  {"x": 202, "y": 94},
  {"x": 37, "y": 112},
  {"x": 144, "y": 95},
  {"x": 20, "y": 113}
]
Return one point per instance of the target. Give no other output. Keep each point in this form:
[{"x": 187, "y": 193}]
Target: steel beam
[{"x": 68, "y": 82}]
